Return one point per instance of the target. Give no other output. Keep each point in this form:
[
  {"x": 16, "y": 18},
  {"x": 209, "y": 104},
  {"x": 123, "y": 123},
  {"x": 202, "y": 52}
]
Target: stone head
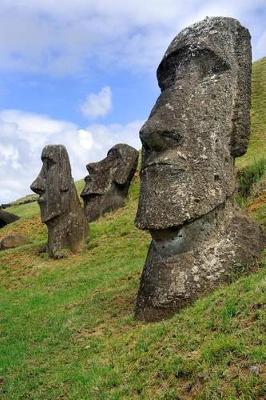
[
  {"x": 198, "y": 125},
  {"x": 54, "y": 182},
  {"x": 115, "y": 169}
]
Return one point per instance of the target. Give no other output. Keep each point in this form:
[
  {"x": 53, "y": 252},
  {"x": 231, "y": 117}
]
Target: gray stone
[
  {"x": 7, "y": 218},
  {"x": 255, "y": 369},
  {"x": 197, "y": 127},
  {"x": 108, "y": 181},
  {"x": 60, "y": 207},
  {"x": 12, "y": 240}
]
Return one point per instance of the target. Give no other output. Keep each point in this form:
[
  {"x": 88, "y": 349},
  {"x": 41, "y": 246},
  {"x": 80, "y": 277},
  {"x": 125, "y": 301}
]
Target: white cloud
[
  {"x": 70, "y": 37},
  {"x": 23, "y": 135},
  {"x": 97, "y": 105},
  {"x": 65, "y": 38},
  {"x": 9, "y": 154}
]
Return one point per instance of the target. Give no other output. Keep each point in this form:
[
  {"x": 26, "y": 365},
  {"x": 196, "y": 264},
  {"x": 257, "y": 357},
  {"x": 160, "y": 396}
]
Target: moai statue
[
  {"x": 197, "y": 127},
  {"x": 60, "y": 207},
  {"x": 107, "y": 184}
]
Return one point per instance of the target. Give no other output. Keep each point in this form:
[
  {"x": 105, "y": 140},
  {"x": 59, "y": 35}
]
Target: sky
[{"x": 83, "y": 73}]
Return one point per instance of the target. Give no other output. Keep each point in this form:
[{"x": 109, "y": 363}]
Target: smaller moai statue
[
  {"x": 107, "y": 184},
  {"x": 60, "y": 207}
]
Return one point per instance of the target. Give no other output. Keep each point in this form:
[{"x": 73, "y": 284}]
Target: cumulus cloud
[
  {"x": 23, "y": 135},
  {"x": 76, "y": 37},
  {"x": 9, "y": 155},
  {"x": 51, "y": 37},
  {"x": 97, "y": 105}
]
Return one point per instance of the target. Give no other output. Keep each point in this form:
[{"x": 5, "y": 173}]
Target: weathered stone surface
[
  {"x": 7, "y": 218},
  {"x": 12, "y": 240},
  {"x": 108, "y": 181},
  {"x": 60, "y": 207},
  {"x": 197, "y": 127}
]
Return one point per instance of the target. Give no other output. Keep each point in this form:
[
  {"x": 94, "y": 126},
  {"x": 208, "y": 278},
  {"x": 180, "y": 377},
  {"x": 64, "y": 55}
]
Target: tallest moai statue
[{"x": 197, "y": 127}]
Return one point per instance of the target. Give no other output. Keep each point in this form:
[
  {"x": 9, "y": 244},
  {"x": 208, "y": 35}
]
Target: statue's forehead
[
  {"x": 122, "y": 151},
  {"x": 215, "y": 34},
  {"x": 185, "y": 45}
]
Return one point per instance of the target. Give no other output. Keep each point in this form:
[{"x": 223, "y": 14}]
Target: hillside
[
  {"x": 67, "y": 326},
  {"x": 257, "y": 144}
]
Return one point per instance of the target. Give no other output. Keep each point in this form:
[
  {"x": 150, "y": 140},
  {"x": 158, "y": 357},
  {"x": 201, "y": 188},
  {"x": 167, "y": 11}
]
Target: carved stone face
[
  {"x": 198, "y": 125},
  {"x": 116, "y": 168},
  {"x": 102, "y": 173},
  {"x": 53, "y": 182},
  {"x": 108, "y": 181}
]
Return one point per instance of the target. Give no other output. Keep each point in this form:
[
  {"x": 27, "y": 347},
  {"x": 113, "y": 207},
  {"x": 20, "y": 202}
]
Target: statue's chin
[{"x": 45, "y": 217}]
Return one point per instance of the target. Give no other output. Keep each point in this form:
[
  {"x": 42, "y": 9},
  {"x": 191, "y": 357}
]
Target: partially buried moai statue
[
  {"x": 60, "y": 207},
  {"x": 108, "y": 181},
  {"x": 197, "y": 127}
]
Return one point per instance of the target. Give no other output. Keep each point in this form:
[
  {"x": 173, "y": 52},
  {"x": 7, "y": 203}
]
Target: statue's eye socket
[
  {"x": 185, "y": 61},
  {"x": 112, "y": 153},
  {"x": 48, "y": 163},
  {"x": 167, "y": 70},
  {"x": 219, "y": 66},
  {"x": 114, "y": 156}
]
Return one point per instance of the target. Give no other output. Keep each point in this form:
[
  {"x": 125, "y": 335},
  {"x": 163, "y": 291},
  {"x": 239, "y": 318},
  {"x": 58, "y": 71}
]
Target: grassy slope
[
  {"x": 257, "y": 144},
  {"x": 67, "y": 329}
]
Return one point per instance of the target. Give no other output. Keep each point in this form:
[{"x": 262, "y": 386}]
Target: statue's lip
[
  {"x": 84, "y": 193},
  {"x": 41, "y": 199},
  {"x": 87, "y": 190},
  {"x": 91, "y": 178}
]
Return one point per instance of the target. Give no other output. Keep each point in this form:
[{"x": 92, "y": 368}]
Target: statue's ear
[
  {"x": 65, "y": 171},
  {"x": 65, "y": 184},
  {"x": 126, "y": 169},
  {"x": 242, "y": 100},
  {"x": 123, "y": 173}
]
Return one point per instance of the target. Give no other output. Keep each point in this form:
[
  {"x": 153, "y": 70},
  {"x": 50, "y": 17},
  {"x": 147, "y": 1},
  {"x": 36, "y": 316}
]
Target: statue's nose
[
  {"x": 160, "y": 131},
  {"x": 92, "y": 167},
  {"x": 150, "y": 136},
  {"x": 86, "y": 190},
  {"x": 158, "y": 136},
  {"x": 38, "y": 186},
  {"x": 99, "y": 166}
]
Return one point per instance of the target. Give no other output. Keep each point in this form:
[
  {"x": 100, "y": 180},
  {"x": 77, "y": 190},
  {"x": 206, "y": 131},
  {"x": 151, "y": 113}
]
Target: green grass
[
  {"x": 248, "y": 177},
  {"x": 257, "y": 144},
  {"x": 80, "y": 185},
  {"x": 67, "y": 329},
  {"x": 25, "y": 210}
]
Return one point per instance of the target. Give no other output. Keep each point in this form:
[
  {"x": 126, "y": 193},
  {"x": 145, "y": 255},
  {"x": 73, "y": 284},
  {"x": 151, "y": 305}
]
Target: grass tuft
[{"x": 248, "y": 177}]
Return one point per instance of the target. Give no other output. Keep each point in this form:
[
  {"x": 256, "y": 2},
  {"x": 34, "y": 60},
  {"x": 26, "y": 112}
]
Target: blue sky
[{"x": 82, "y": 73}]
